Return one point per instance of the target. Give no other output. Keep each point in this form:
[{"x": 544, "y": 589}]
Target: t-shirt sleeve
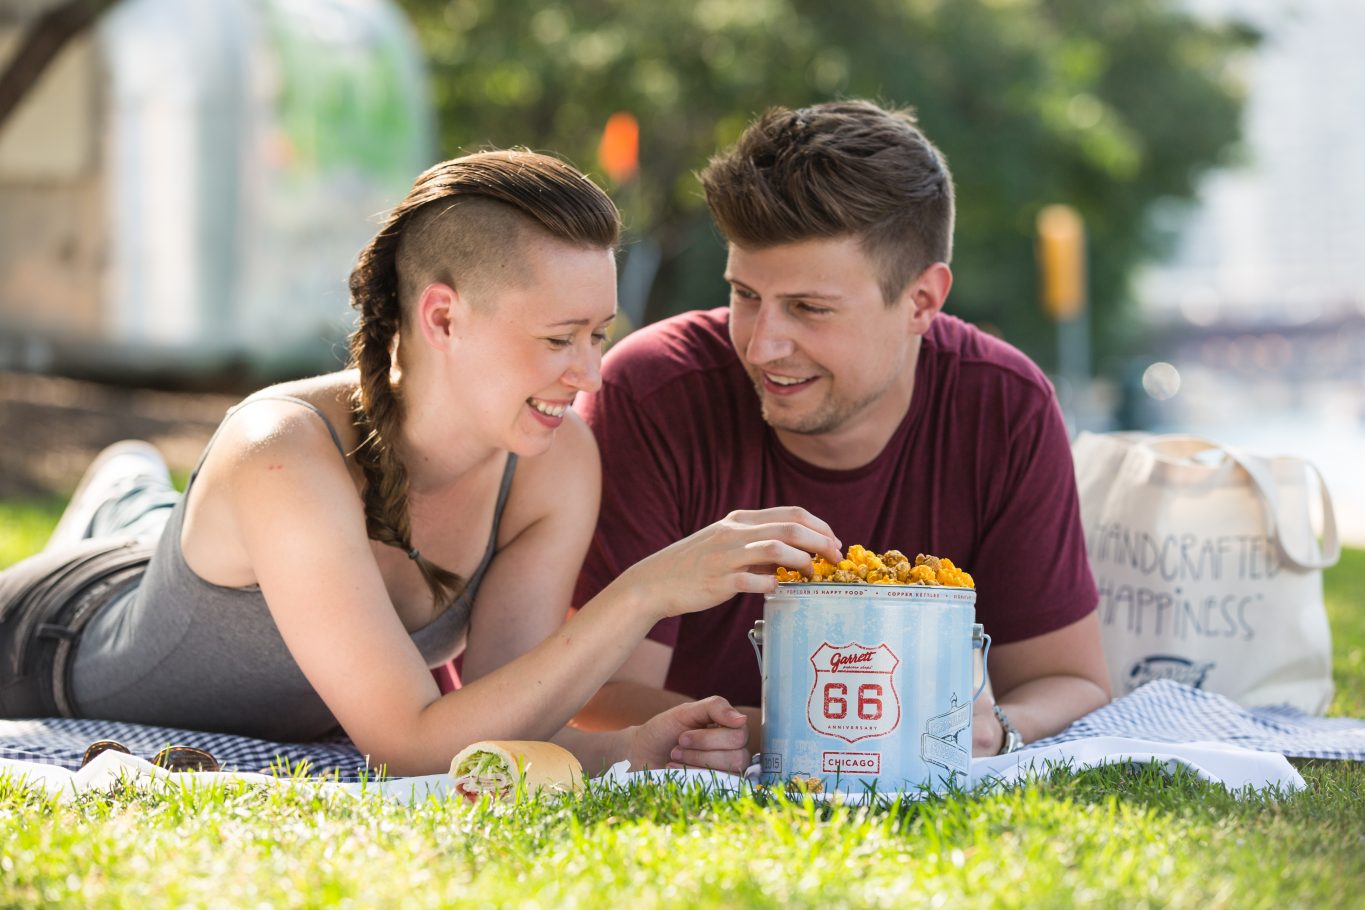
[
  {"x": 1034, "y": 546},
  {"x": 641, "y": 509}
]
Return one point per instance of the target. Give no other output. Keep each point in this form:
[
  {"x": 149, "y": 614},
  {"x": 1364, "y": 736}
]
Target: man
[{"x": 834, "y": 382}]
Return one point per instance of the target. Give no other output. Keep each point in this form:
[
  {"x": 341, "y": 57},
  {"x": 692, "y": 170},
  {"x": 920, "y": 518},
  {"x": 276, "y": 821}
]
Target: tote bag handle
[{"x": 1263, "y": 480}]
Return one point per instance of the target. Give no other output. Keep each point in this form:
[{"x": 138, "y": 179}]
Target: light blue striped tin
[{"x": 868, "y": 685}]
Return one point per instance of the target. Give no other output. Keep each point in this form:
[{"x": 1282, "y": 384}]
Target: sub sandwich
[{"x": 495, "y": 768}]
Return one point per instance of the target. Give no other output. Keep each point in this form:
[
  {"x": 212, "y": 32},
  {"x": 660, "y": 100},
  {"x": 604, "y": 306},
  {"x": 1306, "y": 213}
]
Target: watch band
[{"x": 1014, "y": 740}]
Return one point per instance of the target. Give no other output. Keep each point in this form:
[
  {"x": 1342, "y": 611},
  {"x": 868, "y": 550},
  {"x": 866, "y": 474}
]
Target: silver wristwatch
[{"x": 1014, "y": 740}]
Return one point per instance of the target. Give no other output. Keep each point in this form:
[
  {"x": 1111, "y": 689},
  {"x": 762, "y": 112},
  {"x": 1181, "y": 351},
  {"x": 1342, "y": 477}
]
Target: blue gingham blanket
[
  {"x": 1171, "y": 712},
  {"x": 1161, "y": 711}
]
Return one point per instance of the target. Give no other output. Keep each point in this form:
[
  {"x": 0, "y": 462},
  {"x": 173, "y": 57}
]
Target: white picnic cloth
[
  {"x": 1235, "y": 768},
  {"x": 1164, "y": 721}
]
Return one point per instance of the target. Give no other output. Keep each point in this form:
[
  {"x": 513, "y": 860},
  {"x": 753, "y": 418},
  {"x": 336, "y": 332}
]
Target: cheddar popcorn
[{"x": 862, "y": 566}]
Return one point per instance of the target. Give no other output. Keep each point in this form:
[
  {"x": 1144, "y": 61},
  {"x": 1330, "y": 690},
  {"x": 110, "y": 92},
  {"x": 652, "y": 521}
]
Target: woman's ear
[
  {"x": 442, "y": 315},
  {"x": 926, "y": 295}
]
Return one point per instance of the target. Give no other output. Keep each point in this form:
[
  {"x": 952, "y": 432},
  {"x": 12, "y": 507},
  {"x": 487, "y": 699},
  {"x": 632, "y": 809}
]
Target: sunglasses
[{"x": 172, "y": 758}]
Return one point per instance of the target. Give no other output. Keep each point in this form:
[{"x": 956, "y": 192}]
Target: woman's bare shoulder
[
  {"x": 330, "y": 393},
  {"x": 272, "y": 458},
  {"x": 270, "y": 429}
]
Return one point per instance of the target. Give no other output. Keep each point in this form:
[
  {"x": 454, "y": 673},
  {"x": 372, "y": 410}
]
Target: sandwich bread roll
[{"x": 494, "y": 767}]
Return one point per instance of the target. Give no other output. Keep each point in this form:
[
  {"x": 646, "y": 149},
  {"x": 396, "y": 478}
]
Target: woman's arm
[
  {"x": 302, "y": 526},
  {"x": 303, "y": 529}
]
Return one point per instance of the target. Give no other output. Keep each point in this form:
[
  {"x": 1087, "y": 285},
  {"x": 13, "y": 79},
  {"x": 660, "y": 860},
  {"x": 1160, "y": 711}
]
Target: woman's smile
[{"x": 549, "y": 413}]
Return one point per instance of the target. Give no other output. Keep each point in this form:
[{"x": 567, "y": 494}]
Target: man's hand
[
  {"x": 702, "y": 734},
  {"x": 987, "y": 735}
]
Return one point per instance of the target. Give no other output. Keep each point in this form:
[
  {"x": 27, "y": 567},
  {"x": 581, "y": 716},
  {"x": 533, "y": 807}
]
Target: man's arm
[
  {"x": 636, "y": 693},
  {"x": 1042, "y": 684},
  {"x": 1033, "y": 574}
]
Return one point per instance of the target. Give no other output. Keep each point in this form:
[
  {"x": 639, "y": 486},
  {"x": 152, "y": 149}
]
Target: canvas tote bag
[{"x": 1209, "y": 570}]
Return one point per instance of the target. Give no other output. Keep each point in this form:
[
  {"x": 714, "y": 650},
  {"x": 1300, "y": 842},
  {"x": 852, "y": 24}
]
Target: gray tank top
[{"x": 182, "y": 652}]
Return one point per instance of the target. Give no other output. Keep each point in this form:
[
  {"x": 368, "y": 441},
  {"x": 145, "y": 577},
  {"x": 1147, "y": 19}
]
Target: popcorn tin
[{"x": 868, "y": 685}]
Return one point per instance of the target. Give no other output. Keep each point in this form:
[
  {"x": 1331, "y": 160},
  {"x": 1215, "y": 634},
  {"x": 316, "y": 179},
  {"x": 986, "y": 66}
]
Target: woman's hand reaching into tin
[{"x": 736, "y": 555}]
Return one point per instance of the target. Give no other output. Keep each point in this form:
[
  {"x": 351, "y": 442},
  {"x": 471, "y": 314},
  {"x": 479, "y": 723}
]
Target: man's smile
[{"x": 779, "y": 384}]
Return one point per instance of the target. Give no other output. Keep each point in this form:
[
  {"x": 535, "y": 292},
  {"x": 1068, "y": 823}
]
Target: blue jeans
[{"x": 139, "y": 508}]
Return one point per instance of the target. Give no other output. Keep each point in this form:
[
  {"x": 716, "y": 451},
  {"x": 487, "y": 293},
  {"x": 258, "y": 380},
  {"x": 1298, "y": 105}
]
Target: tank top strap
[
  {"x": 336, "y": 439},
  {"x": 439, "y": 639},
  {"x": 507, "y": 474}
]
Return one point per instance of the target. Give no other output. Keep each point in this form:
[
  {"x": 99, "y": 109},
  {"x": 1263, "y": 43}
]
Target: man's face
[{"x": 825, "y": 352}]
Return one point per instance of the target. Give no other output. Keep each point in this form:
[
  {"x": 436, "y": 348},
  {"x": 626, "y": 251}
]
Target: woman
[{"x": 342, "y": 534}]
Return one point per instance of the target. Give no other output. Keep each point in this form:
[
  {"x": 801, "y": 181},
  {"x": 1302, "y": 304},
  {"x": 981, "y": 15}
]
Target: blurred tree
[
  {"x": 47, "y": 29},
  {"x": 1109, "y": 107}
]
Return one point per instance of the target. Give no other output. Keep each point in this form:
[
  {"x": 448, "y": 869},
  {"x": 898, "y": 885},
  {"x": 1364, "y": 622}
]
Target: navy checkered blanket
[
  {"x": 62, "y": 742},
  {"x": 1161, "y": 711}
]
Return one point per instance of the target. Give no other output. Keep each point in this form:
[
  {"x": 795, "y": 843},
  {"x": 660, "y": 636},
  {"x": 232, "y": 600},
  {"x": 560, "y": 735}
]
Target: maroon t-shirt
[{"x": 979, "y": 470}]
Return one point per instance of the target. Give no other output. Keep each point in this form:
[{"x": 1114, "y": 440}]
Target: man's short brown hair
[{"x": 839, "y": 169}]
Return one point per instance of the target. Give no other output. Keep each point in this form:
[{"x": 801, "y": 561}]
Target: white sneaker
[{"x": 108, "y": 476}]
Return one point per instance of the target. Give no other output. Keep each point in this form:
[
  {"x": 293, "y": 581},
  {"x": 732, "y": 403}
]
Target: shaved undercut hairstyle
[
  {"x": 454, "y": 227},
  {"x": 839, "y": 169}
]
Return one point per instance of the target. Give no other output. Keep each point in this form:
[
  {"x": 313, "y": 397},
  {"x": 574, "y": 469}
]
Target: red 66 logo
[{"x": 854, "y": 696}]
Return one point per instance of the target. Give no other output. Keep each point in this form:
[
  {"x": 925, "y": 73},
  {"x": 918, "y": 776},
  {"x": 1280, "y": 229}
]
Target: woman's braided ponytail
[
  {"x": 378, "y": 409},
  {"x": 545, "y": 191}
]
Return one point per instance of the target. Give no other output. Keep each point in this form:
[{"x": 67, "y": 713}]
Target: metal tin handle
[
  {"x": 983, "y": 641},
  {"x": 756, "y": 639}
]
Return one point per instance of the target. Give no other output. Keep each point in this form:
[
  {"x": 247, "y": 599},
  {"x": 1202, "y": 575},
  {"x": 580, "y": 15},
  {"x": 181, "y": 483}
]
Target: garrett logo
[
  {"x": 838, "y": 661},
  {"x": 1168, "y": 666},
  {"x": 854, "y": 696}
]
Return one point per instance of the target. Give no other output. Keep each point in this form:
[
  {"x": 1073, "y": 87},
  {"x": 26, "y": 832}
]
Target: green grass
[
  {"x": 25, "y": 525},
  {"x": 1344, "y": 587},
  {"x": 1106, "y": 838}
]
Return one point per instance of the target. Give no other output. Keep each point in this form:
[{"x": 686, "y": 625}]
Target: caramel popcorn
[
  {"x": 799, "y": 785},
  {"x": 862, "y": 566}
]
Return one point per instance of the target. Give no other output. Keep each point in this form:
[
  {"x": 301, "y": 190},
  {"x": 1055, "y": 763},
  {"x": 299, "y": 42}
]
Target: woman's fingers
[
  {"x": 794, "y": 514},
  {"x": 769, "y": 553},
  {"x": 732, "y": 555},
  {"x": 731, "y": 762},
  {"x": 791, "y": 525},
  {"x": 753, "y": 582},
  {"x": 718, "y": 739},
  {"x": 716, "y": 736},
  {"x": 695, "y": 716}
]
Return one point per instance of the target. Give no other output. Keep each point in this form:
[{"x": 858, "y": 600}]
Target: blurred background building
[
  {"x": 185, "y": 187},
  {"x": 1259, "y": 312}
]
